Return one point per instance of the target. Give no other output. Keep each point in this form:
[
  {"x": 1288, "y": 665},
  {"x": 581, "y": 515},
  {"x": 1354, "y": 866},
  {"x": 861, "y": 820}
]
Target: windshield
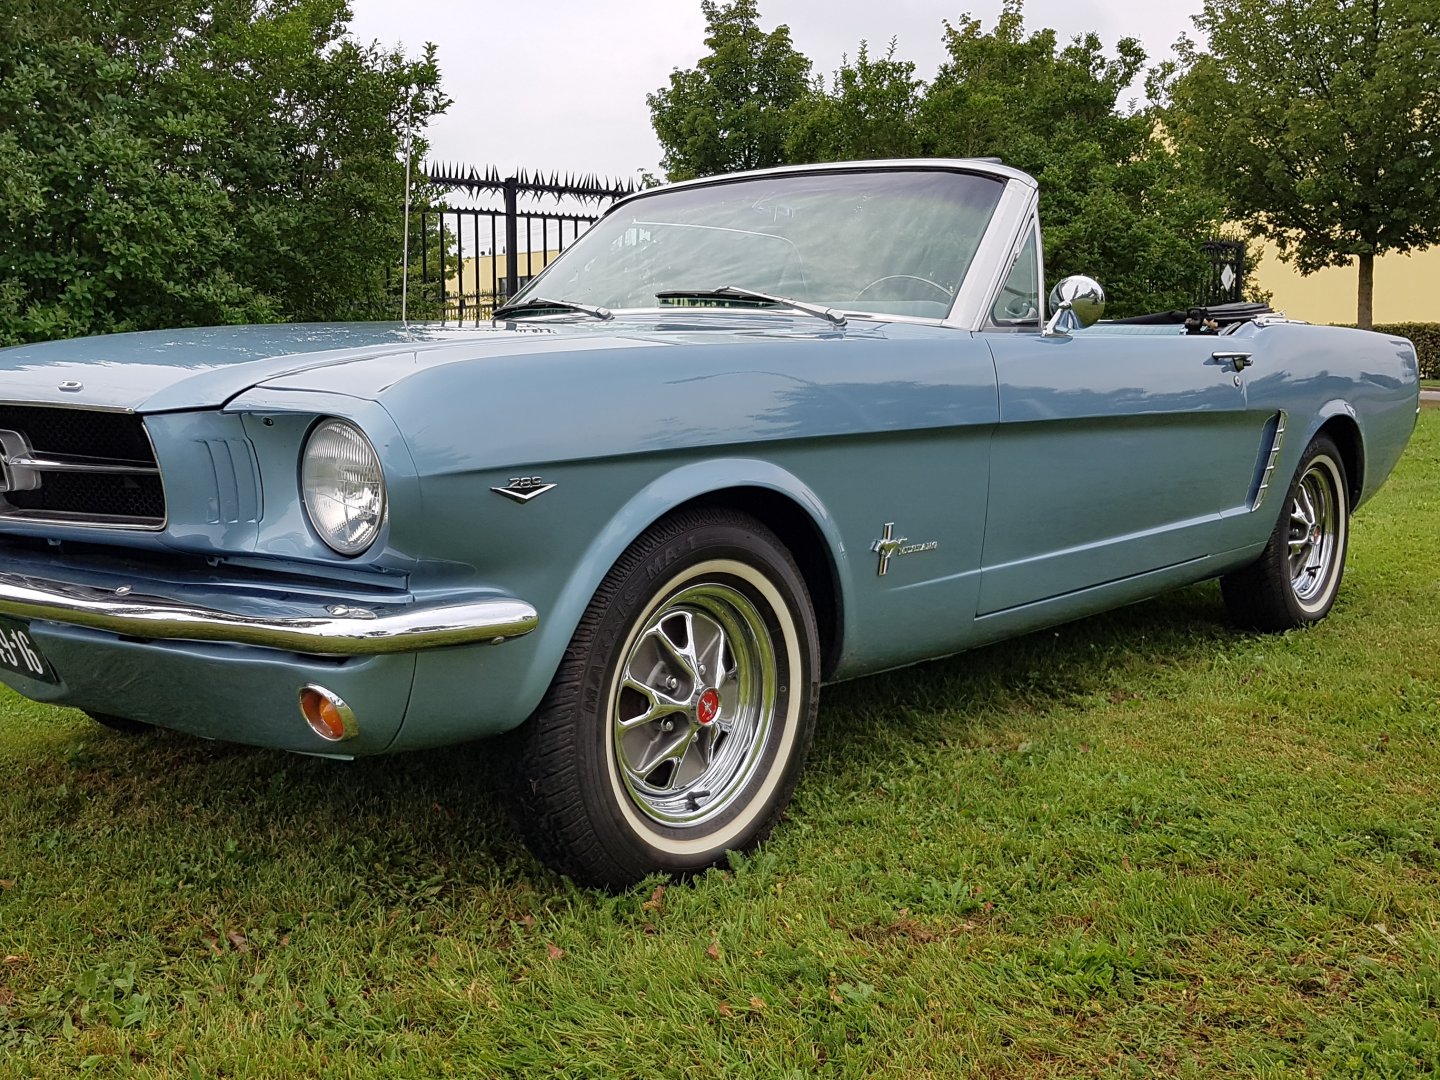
[{"x": 868, "y": 241}]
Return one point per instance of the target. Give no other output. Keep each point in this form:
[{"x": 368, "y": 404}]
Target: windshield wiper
[
  {"x": 541, "y": 303},
  {"x": 735, "y": 292}
]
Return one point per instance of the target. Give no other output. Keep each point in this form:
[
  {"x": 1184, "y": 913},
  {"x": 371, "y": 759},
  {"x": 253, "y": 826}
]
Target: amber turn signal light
[{"x": 327, "y": 714}]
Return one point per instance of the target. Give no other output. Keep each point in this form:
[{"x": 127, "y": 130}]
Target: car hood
[{"x": 169, "y": 370}]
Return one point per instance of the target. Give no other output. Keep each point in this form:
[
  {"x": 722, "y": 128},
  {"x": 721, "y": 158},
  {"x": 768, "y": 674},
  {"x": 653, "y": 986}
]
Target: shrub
[{"x": 1426, "y": 336}]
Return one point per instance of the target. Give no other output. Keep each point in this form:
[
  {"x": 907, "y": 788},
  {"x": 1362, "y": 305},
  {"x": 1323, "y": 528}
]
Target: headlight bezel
[{"x": 341, "y": 535}]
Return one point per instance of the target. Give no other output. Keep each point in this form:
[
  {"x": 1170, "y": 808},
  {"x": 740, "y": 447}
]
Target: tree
[
  {"x": 199, "y": 161},
  {"x": 871, "y": 110},
  {"x": 1319, "y": 120},
  {"x": 732, "y": 110},
  {"x": 1116, "y": 201}
]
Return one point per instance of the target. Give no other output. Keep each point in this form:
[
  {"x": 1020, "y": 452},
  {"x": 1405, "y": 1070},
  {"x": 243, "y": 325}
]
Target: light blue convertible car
[{"x": 749, "y": 435}]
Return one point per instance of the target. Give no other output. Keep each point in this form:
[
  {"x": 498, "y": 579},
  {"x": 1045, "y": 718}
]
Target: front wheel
[
  {"x": 1295, "y": 580},
  {"x": 680, "y": 717}
]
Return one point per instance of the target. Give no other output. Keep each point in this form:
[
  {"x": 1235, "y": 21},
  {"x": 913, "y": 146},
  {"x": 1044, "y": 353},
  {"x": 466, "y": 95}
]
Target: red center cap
[{"x": 708, "y": 707}]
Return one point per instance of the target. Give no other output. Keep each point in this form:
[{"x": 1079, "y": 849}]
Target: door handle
[{"x": 1237, "y": 360}]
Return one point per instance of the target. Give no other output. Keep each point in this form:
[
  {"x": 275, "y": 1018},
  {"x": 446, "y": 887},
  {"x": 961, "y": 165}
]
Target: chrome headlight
[{"x": 344, "y": 486}]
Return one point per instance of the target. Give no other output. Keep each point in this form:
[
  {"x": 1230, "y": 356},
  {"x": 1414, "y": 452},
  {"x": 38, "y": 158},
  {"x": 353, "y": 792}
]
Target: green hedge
[{"x": 1426, "y": 336}]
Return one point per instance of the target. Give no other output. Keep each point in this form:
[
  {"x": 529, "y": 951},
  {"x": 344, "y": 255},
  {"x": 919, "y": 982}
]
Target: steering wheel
[
  {"x": 907, "y": 277},
  {"x": 1020, "y": 307}
]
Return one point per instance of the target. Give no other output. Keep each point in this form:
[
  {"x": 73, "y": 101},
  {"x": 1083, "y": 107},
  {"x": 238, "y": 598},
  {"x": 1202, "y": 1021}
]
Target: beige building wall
[
  {"x": 478, "y": 273},
  {"x": 1407, "y": 288}
]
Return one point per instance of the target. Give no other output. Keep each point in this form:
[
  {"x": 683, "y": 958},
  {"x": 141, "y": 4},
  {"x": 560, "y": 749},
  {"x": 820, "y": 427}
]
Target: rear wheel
[
  {"x": 1296, "y": 578},
  {"x": 679, "y": 720}
]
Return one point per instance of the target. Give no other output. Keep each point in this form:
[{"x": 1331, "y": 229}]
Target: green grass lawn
[{"x": 1139, "y": 844}]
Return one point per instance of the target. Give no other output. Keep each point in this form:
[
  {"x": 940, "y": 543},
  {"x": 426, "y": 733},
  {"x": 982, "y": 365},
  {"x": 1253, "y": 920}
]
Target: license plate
[{"x": 20, "y": 654}]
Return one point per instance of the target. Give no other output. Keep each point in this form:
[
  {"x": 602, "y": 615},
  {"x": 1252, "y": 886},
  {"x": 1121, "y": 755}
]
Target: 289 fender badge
[
  {"x": 523, "y": 488},
  {"x": 890, "y": 546}
]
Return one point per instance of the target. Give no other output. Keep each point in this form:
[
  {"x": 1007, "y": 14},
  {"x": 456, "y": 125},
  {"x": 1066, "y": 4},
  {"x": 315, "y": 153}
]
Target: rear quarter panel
[{"x": 1316, "y": 373}]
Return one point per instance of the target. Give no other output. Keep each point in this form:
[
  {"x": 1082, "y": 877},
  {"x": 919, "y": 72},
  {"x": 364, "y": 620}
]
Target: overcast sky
[{"x": 561, "y": 84}]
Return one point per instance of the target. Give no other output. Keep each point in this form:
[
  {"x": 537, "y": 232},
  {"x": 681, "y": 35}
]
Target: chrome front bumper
[{"x": 337, "y": 630}]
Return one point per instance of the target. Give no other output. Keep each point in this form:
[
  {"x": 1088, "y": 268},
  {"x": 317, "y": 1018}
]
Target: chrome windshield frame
[
  {"x": 987, "y": 269},
  {"x": 995, "y": 256}
]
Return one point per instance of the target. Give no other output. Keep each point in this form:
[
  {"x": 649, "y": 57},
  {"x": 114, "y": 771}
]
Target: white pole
[{"x": 405, "y": 252}]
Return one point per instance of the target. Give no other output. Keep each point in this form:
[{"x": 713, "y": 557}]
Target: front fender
[{"x": 661, "y": 496}]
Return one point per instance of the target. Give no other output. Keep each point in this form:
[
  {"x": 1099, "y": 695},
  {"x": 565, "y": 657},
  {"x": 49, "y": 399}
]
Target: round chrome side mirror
[{"x": 1081, "y": 295}]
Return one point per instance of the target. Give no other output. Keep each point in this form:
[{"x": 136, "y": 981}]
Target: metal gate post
[{"x": 512, "y": 237}]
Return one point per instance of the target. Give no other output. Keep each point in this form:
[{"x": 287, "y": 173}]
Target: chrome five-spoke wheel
[
  {"x": 679, "y": 720},
  {"x": 696, "y": 705},
  {"x": 1294, "y": 581},
  {"x": 1314, "y": 533}
]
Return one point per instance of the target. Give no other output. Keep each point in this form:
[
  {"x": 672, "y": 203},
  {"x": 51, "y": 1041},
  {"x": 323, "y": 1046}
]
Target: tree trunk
[{"x": 1365, "y": 312}]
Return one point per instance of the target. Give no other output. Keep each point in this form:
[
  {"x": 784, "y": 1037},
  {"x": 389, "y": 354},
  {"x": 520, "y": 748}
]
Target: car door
[{"x": 1115, "y": 455}]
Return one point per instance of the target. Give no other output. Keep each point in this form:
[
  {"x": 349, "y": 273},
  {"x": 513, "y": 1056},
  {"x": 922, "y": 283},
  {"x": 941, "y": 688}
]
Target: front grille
[
  {"x": 82, "y": 432},
  {"x": 78, "y": 467}
]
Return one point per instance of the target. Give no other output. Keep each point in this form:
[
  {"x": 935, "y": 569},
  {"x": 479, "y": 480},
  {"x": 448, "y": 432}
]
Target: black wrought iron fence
[{"x": 474, "y": 258}]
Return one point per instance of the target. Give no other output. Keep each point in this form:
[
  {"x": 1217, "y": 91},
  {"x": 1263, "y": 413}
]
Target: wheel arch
[
  {"x": 1339, "y": 423},
  {"x": 585, "y": 795},
  {"x": 772, "y": 494},
  {"x": 807, "y": 544}
]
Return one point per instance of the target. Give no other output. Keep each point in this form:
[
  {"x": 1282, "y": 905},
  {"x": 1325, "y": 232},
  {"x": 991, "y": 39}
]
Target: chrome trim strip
[
  {"x": 65, "y": 403},
  {"x": 338, "y": 631},
  {"x": 979, "y": 166},
  {"x": 1275, "y": 444},
  {"x": 84, "y": 465},
  {"x": 77, "y": 520}
]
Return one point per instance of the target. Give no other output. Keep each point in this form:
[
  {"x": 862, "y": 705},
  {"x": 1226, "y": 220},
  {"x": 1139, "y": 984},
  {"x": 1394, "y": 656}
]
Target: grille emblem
[{"x": 15, "y": 471}]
